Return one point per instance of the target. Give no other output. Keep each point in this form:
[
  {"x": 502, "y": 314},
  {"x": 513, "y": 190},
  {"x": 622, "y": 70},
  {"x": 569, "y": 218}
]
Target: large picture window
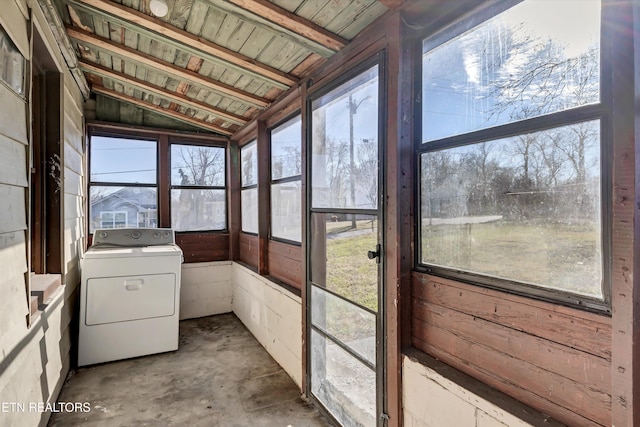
[
  {"x": 123, "y": 183},
  {"x": 198, "y": 195},
  {"x": 510, "y": 157},
  {"x": 249, "y": 192},
  {"x": 286, "y": 197}
]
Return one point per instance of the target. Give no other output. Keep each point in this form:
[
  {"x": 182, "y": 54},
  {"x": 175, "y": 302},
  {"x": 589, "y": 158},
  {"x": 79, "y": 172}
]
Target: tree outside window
[
  {"x": 510, "y": 177},
  {"x": 198, "y": 195}
]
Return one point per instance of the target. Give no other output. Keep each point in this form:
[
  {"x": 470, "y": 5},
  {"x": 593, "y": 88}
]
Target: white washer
[{"x": 130, "y": 295}]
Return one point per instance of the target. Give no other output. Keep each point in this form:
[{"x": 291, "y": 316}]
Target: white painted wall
[
  {"x": 432, "y": 400},
  {"x": 270, "y": 312},
  {"x": 273, "y": 315},
  {"x": 35, "y": 359},
  {"x": 34, "y": 369},
  {"x": 206, "y": 289}
]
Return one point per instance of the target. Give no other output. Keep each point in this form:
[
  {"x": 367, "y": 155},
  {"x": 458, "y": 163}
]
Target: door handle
[
  {"x": 133, "y": 285},
  {"x": 375, "y": 254}
]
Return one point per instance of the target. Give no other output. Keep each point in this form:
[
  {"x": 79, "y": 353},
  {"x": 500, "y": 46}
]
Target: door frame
[{"x": 378, "y": 58}]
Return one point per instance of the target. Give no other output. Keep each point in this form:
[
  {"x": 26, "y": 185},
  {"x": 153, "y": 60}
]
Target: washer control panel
[{"x": 127, "y": 237}]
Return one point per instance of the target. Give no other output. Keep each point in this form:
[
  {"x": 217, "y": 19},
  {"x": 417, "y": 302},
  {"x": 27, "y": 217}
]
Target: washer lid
[{"x": 119, "y": 252}]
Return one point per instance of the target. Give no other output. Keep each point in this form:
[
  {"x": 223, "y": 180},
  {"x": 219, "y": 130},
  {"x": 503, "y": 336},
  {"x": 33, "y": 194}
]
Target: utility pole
[
  {"x": 352, "y": 167},
  {"x": 353, "y": 109}
]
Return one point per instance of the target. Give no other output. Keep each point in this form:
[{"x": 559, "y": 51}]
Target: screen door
[{"x": 344, "y": 251}]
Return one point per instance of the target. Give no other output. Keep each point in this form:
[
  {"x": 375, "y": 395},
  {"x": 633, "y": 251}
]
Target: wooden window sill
[{"x": 43, "y": 286}]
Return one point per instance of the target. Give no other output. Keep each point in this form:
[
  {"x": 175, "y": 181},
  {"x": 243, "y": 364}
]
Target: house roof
[{"x": 212, "y": 64}]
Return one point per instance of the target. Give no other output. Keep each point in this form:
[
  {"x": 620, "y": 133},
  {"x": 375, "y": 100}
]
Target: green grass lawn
[
  {"x": 349, "y": 271},
  {"x": 561, "y": 256}
]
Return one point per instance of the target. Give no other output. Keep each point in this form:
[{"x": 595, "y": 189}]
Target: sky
[{"x": 123, "y": 160}]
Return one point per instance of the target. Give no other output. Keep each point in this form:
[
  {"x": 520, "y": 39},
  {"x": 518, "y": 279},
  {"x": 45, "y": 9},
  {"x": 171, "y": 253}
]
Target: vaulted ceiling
[{"x": 210, "y": 64}]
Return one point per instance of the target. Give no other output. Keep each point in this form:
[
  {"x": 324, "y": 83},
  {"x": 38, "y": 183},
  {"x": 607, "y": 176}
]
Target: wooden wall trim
[
  {"x": 398, "y": 210},
  {"x": 164, "y": 181},
  {"x": 264, "y": 199},
  {"x": 233, "y": 200},
  {"x": 303, "y": 244},
  {"x": 622, "y": 19},
  {"x": 54, "y": 158},
  {"x": 96, "y": 126}
]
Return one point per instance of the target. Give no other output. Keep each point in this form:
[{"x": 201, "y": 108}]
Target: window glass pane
[
  {"x": 286, "y": 211},
  {"x": 533, "y": 59},
  {"x": 249, "y": 164},
  {"x": 200, "y": 209},
  {"x": 12, "y": 63},
  {"x": 339, "y": 256},
  {"x": 285, "y": 150},
  {"x": 250, "y": 210},
  {"x": 197, "y": 165},
  {"x": 120, "y": 207},
  {"x": 345, "y": 145},
  {"x": 353, "y": 326},
  {"x": 525, "y": 208},
  {"x": 345, "y": 385},
  {"x": 123, "y": 160}
]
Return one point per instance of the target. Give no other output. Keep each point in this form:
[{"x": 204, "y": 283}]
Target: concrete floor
[{"x": 220, "y": 376}]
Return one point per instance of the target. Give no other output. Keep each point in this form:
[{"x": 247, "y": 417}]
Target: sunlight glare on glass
[
  {"x": 563, "y": 21},
  {"x": 535, "y": 58}
]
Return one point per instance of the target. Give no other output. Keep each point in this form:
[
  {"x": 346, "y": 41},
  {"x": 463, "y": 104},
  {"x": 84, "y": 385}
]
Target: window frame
[
  {"x": 428, "y": 41},
  {"x": 288, "y": 179},
  {"x": 187, "y": 142},
  {"x": 163, "y": 139},
  {"x": 17, "y": 85}
]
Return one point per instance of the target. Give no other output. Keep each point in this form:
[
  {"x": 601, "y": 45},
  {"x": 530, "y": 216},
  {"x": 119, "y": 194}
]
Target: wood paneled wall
[
  {"x": 203, "y": 247},
  {"x": 285, "y": 263},
  {"x": 249, "y": 249},
  {"x": 554, "y": 358}
]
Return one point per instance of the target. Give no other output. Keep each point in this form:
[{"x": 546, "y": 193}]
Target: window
[
  {"x": 113, "y": 219},
  {"x": 123, "y": 183},
  {"x": 286, "y": 181},
  {"x": 198, "y": 195},
  {"x": 12, "y": 64},
  {"x": 510, "y": 156},
  {"x": 249, "y": 192}
]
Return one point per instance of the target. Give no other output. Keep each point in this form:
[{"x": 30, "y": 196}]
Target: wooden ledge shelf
[{"x": 42, "y": 288}]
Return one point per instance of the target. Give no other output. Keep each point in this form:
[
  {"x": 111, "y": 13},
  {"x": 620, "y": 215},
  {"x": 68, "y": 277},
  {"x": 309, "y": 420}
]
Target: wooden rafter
[
  {"x": 293, "y": 22},
  {"x": 164, "y": 66},
  {"x": 152, "y": 107},
  {"x": 263, "y": 22},
  {"x": 57, "y": 27},
  {"x": 178, "y": 98},
  {"x": 185, "y": 41}
]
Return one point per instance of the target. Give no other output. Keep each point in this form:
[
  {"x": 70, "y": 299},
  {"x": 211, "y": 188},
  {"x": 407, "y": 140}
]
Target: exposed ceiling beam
[
  {"x": 183, "y": 40},
  {"x": 293, "y": 22},
  {"x": 178, "y": 98},
  {"x": 57, "y": 28},
  {"x": 262, "y": 22},
  {"x": 164, "y": 66},
  {"x": 152, "y": 107}
]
